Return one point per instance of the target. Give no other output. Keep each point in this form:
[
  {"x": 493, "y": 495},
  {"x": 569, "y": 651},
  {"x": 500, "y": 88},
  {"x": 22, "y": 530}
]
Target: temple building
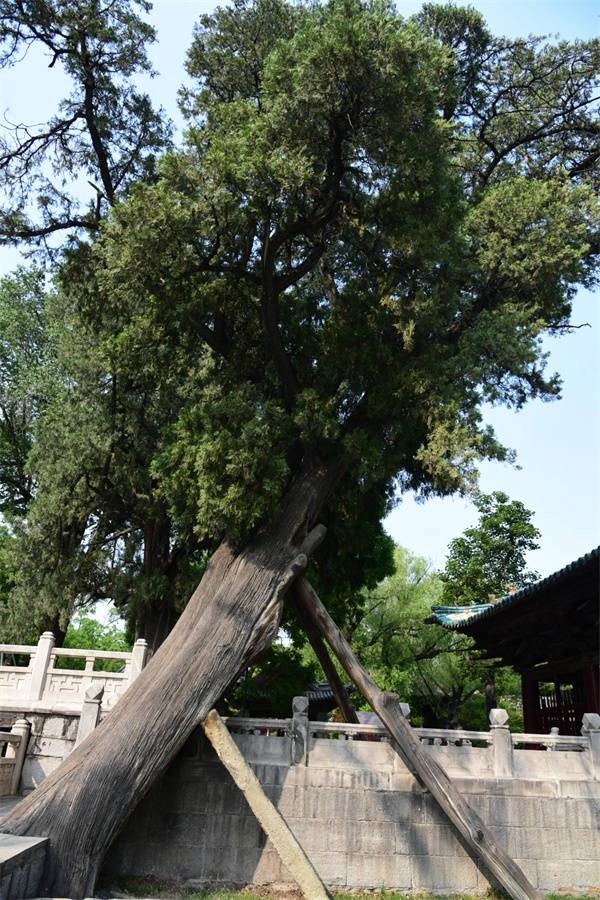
[{"x": 549, "y": 632}]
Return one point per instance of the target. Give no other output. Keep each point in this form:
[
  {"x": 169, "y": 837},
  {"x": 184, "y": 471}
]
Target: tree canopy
[
  {"x": 104, "y": 134},
  {"x": 367, "y": 229},
  {"x": 350, "y": 289},
  {"x": 489, "y": 560}
]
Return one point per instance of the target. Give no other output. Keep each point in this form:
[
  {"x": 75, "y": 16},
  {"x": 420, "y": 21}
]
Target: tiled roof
[
  {"x": 458, "y": 617},
  {"x": 320, "y": 691}
]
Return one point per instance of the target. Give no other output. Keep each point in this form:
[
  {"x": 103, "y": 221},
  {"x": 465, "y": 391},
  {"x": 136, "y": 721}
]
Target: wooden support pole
[
  {"x": 316, "y": 641},
  {"x": 481, "y": 843},
  {"x": 290, "y": 852}
]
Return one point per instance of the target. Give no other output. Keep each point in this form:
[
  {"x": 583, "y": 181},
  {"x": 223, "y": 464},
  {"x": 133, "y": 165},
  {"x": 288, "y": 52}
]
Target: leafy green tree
[
  {"x": 26, "y": 382},
  {"x": 438, "y": 672},
  {"x": 104, "y": 136},
  {"x": 484, "y": 563},
  {"x": 349, "y": 270},
  {"x": 490, "y": 559},
  {"x": 6, "y": 567},
  {"x": 85, "y": 631},
  {"x": 391, "y": 637},
  {"x": 94, "y": 528},
  {"x": 268, "y": 688},
  {"x": 456, "y": 687}
]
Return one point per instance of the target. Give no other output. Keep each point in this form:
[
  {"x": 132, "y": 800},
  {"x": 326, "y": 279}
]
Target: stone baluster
[
  {"x": 501, "y": 744},
  {"x": 22, "y": 728},
  {"x": 40, "y": 664},
  {"x": 300, "y": 731},
  {"x": 590, "y": 727},
  {"x": 90, "y": 711},
  {"x": 138, "y": 659}
]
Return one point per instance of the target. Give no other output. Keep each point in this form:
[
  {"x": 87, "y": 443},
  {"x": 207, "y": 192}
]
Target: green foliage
[
  {"x": 485, "y": 562},
  {"x": 433, "y": 670},
  {"x": 268, "y": 688},
  {"x": 6, "y": 567},
  {"x": 489, "y": 560},
  {"x": 228, "y": 444},
  {"x": 26, "y": 382},
  {"x": 94, "y": 527},
  {"x": 104, "y": 130},
  {"x": 390, "y": 638},
  {"x": 438, "y": 672},
  {"x": 369, "y": 226},
  {"x": 87, "y": 632}
]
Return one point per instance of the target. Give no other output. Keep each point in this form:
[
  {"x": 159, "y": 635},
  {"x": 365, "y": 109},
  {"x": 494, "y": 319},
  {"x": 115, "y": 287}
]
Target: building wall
[{"x": 363, "y": 820}]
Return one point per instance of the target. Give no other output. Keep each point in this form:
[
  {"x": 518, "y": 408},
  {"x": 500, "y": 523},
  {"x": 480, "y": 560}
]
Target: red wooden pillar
[
  {"x": 532, "y": 721},
  {"x": 591, "y": 688}
]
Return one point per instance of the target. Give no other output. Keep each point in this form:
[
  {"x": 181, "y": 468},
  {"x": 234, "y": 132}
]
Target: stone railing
[
  {"x": 40, "y": 684},
  {"x": 497, "y": 753},
  {"x": 13, "y": 746}
]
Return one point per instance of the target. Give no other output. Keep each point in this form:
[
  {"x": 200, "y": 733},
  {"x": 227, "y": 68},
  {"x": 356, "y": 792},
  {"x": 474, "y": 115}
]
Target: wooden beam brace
[
  {"x": 290, "y": 852},
  {"x": 316, "y": 641},
  {"x": 503, "y": 869}
]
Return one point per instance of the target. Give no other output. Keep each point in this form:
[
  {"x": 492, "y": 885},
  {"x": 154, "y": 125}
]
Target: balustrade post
[
  {"x": 501, "y": 744},
  {"x": 300, "y": 731},
  {"x": 39, "y": 668},
  {"x": 90, "y": 711},
  {"x": 138, "y": 659},
  {"x": 590, "y": 726},
  {"x": 23, "y": 728}
]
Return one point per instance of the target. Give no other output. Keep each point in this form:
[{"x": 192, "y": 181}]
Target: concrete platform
[{"x": 21, "y": 864}]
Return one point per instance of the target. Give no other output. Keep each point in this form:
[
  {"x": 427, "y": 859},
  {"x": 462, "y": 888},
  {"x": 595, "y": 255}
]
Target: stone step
[{"x": 21, "y": 865}]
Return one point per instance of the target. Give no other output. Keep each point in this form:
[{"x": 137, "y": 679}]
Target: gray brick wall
[{"x": 362, "y": 819}]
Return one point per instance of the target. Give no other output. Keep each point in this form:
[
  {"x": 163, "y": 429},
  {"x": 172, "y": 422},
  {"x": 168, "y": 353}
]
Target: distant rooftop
[{"x": 554, "y": 618}]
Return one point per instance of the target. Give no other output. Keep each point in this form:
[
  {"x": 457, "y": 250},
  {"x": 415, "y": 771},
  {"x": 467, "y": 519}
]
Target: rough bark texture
[{"x": 231, "y": 618}]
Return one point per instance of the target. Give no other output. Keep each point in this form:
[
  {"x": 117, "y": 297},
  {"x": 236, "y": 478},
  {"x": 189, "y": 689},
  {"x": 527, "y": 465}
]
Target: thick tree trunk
[
  {"x": 155, "y": 619},
  {"x": 231, "y": 618}
]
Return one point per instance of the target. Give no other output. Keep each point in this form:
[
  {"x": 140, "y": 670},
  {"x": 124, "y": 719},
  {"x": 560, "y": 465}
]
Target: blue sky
[{"x": 558, "y": 443}]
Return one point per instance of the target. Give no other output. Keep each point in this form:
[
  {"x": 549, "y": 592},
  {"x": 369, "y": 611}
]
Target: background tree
[
  {"x": 354, "y": 275},
  {"x": 437, "y": 672},
  {"x": 87, "y": 631},
  {"x": 27, "y": 379},
  {"x": 93, "y": 528},
  {"x": 489, "y": 560},
  {"x": 485, "y": 563},
  {"x": 105, "y": 134},
  {"x": 267, "y": 688},
  {"x": 391, "y": 638},
  {"x": 6, "y": 567}
]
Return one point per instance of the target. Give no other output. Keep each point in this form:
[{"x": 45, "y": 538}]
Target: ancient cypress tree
[{"x": 369, "y": 227}]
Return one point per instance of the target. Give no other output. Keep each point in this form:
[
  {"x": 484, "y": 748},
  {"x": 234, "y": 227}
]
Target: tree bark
[
  {"x": 231, "y": 618},
  {"x": 155, "y": 618}
]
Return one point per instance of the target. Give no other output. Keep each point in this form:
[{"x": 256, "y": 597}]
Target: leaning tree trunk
[{"x": 231, "y": 618}]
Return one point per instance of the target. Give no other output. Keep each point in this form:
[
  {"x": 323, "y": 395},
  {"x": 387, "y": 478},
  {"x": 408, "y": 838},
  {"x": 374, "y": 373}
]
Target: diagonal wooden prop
[
  {"x": 482, "y": 845},
  {"x": 275, "y": 826}
]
